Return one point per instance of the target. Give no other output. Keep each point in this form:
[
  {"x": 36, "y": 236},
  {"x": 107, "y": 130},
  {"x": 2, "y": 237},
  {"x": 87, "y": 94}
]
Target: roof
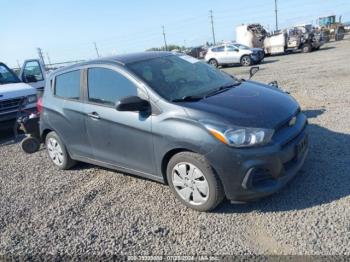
[{"x": 121, "y": 59}]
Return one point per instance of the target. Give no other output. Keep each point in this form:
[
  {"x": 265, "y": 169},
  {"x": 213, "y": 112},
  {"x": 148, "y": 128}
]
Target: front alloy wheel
[
  {"x": 246, "y": 60},
  {"x": 194, "y": 182},
  {"x": 190, "y": 183}
]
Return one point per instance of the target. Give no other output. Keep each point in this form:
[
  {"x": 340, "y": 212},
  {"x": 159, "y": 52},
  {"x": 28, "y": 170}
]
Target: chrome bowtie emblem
[{"x": 293, "y": 121}]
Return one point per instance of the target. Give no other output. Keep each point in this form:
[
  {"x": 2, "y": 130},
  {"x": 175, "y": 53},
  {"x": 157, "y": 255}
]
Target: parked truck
[
  {"x": 330, "y": 28},
  {"x": 302, "y": 37},
  {"x": 15, "y": 90}
]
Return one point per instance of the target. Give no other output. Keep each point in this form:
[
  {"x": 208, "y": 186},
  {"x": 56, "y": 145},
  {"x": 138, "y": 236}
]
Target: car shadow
[
  {"x": 269, "y": 61},
  {"x": 8, "y": 137},
  {"x": 323, "y": 179},
  {"x": 326, "y": 48}
]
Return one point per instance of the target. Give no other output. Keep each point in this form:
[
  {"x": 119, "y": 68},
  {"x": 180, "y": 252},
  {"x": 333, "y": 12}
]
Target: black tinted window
[
  {"x": 68, "y": 85},
  {"x": 107, "y": 86}
]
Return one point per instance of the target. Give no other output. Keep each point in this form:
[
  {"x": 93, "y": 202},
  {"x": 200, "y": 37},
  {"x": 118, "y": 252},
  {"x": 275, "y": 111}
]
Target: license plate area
[{"x": 301, "y": 147}]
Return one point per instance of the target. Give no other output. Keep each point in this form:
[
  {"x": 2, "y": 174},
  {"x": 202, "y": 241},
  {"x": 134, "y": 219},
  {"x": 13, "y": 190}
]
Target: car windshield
[
  {"x": 175, "y": 77},
  {"x": 7, "y": 76}
]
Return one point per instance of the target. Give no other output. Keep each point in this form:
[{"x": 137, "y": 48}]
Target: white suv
[{"x": 233, "y": 53}]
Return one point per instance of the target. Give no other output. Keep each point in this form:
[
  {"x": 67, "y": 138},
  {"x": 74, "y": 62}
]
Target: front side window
[
  {"x": 106, "y": 86},
  {"x": 218, "y": 49},
  {"x": 231, "y": 48},
  {"x": 174, "y": 77},
  {"x": 67, "y": 85},
  {"x": 7, "y": 76},
  {"x": 243, "y": 47}
]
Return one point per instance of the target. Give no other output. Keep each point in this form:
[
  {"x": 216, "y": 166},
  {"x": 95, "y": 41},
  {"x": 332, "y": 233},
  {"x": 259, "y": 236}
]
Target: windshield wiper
[
  {"x": 221, "y": 89},
  {"x": 187, "y": 99}
]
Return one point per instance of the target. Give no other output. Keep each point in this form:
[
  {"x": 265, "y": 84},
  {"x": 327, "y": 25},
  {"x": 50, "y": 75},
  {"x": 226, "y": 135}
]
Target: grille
[{"x": 9, "y": 105}]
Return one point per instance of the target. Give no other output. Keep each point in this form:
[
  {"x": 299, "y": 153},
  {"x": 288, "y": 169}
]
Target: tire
[
  {"x": 339, "y": 35},
  {"x": 30, "y": 145},
  {"x": 306, "y": 48},
  {"x": 202, "y": 190},
  {"x": 246, "y": 60},
  {"x": 214, "y": 62},
  {"x": 57, "y": 152}
]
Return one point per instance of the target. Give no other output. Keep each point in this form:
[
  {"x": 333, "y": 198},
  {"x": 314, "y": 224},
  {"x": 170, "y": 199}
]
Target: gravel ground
[{"x": 95, "y": 211}]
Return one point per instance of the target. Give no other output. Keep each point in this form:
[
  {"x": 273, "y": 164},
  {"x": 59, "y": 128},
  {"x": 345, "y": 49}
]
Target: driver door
[
  {"x": 33, "y": 73},
  {"x": 232, "y": 54}
]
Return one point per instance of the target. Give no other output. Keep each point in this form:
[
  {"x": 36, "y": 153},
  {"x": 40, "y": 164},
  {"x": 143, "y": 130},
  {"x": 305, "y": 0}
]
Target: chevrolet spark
[{"x": 176, "y": 120}]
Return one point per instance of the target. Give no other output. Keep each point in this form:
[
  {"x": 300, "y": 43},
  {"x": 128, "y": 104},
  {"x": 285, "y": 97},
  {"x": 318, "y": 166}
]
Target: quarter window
[
  {"x": 106, "y": 86},
  {"x": 67, "y": 85}
]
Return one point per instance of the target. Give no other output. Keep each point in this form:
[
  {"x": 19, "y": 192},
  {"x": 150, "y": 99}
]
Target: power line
[
  {"x": 166, "y": 47},
  {"x": 98, "y": 54},
  {"x": 276, "y": 11},
  {"x": 212, "y": 25}
]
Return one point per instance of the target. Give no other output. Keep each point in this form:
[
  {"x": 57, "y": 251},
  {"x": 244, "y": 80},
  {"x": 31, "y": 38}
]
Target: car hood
[
  {"x": 9, "y": 91},
  {"x": 250, "y": 104}
]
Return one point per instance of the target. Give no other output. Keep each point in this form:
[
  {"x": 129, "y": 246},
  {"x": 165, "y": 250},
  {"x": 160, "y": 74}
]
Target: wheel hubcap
[
  {"x": 190, "y": 183},
  {"x": 245, "y": 61},
  {"x": 55, "y": 151},
  {"x": 213, "y": 63}
]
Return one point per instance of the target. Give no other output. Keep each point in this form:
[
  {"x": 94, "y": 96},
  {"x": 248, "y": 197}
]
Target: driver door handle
[{"x": 94, "y": 115}]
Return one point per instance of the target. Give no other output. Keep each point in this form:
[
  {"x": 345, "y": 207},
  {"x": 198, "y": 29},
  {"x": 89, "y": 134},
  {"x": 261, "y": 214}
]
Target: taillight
[{"x": 39, "y": 105}]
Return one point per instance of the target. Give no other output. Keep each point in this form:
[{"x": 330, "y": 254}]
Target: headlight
[
  {"x": 31, "y": 99},
  {"x": 239, "y": 136}
]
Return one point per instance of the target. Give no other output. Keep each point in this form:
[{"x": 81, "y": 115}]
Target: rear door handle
[{"x": 94, "y": 115}]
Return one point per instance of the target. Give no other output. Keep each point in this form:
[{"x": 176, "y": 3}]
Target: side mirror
[
  {"x": 253, "y": 70},
  {"x": 132, "y": 103},
  {"x": 29, "y": 79},
  {"x": 273, "y": 83}
]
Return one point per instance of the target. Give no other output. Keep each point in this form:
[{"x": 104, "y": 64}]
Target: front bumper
[
  {"x": 7, "y": 119},
  {"x": 248, "y": 174}
]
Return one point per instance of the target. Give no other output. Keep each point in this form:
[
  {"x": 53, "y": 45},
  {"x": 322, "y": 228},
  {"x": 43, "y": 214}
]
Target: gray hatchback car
[{"x": 174, "y": 119}]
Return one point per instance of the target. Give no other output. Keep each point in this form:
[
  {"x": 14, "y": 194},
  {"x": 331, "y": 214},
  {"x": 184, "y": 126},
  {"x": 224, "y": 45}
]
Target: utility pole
[
  {"x": 212, "y": 25},
  {"x": 276, "y": 11},
  {"x": 97, "y": 53},
  {"x": 165, "y": 45},
  {"x": 40, "y": 54},
  {"x": 48, "y": 58},
  {"x": 19, "y": 66}
]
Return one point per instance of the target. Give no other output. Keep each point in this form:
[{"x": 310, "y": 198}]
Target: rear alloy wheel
[
  {"x": 306, "y": 48},
  {"x": 246, "y": 60},
  {"x": 194, "y": 182},
  {"x": 58, "y": 152},
  {"x": 214, "y": 63}
]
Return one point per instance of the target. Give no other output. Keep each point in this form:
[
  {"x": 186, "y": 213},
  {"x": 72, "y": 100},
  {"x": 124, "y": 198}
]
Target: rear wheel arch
[{"x": 44, "y": 134}]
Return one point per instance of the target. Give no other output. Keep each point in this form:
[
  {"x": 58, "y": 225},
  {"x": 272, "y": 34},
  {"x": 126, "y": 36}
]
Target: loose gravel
[{"x": 94, "y": 211}]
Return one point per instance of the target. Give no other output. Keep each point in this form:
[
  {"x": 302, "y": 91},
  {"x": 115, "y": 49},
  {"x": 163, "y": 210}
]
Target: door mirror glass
[
  {"x": 253, "y": 70},
  {"x": 32, "y": 72},
  {"x": 132, "y": 103}
]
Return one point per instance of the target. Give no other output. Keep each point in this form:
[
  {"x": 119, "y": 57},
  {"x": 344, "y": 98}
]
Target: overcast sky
[{"x": 66, "y": 29}]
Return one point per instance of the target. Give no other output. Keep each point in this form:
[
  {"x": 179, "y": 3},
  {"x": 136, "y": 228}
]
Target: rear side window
[
  {"x": 67, "y": 85},
  {"x": 106, "y": 86}
]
